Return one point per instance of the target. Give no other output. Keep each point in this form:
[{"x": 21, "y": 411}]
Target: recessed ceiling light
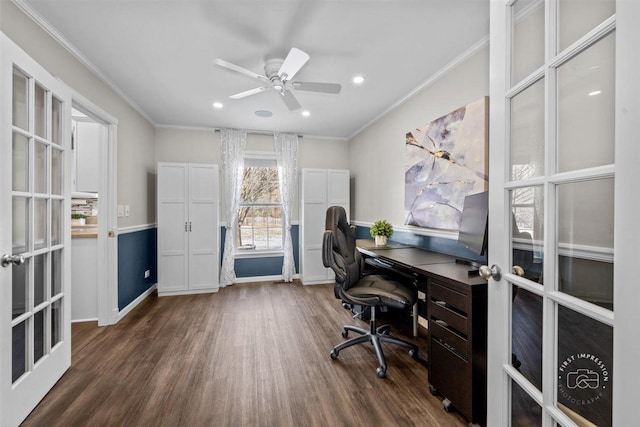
[
  {"x": 263, "y": 113},
  {"x": 218, "y": 105},
  {"x": 595, "y": 92},
  {"x": 306, "y": 113},
  {"x": 358, "y": 80}
]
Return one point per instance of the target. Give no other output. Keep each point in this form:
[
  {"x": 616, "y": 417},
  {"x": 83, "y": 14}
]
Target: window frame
[{"x": 257, "y": 157}]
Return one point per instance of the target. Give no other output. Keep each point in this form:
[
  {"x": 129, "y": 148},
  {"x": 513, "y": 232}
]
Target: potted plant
[
  {"x": 381, "y": 230},
  {"x": 78, "y": 219}
]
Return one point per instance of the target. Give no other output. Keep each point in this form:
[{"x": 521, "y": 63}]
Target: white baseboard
[
  {"x": 134, "y": 303},
  {"x": 318, "y": 282},
  {"x": 187, "y": 292},
  {"x": 85, "y": 320}
]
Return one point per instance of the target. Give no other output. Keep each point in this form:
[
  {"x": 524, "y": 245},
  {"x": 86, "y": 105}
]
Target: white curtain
[
  {"x": 234, "y": 142},
  {"x": 287, "y": 156}
]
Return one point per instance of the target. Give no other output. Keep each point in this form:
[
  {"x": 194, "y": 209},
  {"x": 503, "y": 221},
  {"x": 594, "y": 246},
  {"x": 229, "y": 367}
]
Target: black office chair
[{"x": 340, "y": 253}]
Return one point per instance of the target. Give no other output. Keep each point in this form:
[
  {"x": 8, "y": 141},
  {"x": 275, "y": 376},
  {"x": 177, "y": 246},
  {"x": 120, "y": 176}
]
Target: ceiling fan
[{"x": 278, "y": 75}]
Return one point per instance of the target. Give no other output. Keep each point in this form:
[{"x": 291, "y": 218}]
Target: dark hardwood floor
[{"x": 250, "y": 355}]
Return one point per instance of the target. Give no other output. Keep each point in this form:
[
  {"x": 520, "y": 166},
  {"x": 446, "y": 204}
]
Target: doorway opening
[{"x": 94, "y": 267}]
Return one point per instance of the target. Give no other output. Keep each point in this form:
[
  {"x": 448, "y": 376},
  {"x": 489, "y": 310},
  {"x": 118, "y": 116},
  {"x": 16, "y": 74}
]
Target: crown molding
[{"x": 59, "y": 38}]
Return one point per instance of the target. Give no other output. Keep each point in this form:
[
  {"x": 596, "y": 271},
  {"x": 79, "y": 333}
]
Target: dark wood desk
[{"x": 455, "y": 306}]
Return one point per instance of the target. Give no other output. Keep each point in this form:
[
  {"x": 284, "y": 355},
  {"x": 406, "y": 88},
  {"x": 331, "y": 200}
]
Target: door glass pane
[
  {"x": 20, "y": 225},
  {"x": 586, "y": 110},
  {"x": 57, "y": 221},
  {"x": 525, "y": 412},
  {"x": 18, "y": 350},
  {"x": 20, "y": 289},
  {"x": 527, "y": 133},
  {"x": 56, "y": 171},
  {"x": 56, "y": 322},
  {"x": 38, "y": 335},
  {"x": 56, "y": 121},
  {"x": 526, "y": 334},
  {"x": 39, "y": 279},
  {"x": 40, "y": 223},
  {"x": 585, "y": 364},
  {"x": 527, "y": 222},
  {"x": 585, "y": 240},
  {"x": 577, "y": 18},
  {"x": 528, "y": 38},
  {"x": 20, "y": 162},
  {"x": 20, "y": 97},
  {"x": 56, "y": 272},
  {"x": 40, "y": 168},
  {"x": 40, "y": 111}
]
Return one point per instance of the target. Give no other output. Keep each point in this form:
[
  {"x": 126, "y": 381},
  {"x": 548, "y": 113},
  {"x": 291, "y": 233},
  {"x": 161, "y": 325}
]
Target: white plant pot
[
  {"x": 77, "y": 221},
  {"x": 381, "y": 240}
]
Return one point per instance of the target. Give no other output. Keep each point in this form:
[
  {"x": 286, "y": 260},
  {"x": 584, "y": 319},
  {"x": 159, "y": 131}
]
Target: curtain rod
[{"x": 259, "y": 132}]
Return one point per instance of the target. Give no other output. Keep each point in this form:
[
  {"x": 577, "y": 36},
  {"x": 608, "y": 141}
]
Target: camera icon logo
[{"x": 583, "y": 379}]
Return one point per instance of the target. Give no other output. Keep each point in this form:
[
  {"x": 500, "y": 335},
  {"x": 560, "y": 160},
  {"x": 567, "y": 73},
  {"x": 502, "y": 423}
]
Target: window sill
[{"x": 259, "y": 254}]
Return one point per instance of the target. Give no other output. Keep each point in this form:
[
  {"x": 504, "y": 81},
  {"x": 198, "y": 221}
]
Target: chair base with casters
[{"x": 375, "y": 335}]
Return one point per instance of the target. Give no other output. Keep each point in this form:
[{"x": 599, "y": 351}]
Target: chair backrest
[{"x": 339, "y": 249}]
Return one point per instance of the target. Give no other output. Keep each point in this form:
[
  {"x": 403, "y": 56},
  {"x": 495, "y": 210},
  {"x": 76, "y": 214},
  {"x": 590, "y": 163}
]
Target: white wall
[
  {"x": 377, "y": 154},
  {"x": 136, "y": 151},
  {"x": 203, "y": 146}
]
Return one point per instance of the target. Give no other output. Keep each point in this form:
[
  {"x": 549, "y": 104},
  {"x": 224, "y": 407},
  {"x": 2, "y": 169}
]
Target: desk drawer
[
  {"x": 454, "y": 299},
  {"x": 454, "y": 319},
  {"x": 451, "y": 377},
  {"x": 450, "y": 339}
]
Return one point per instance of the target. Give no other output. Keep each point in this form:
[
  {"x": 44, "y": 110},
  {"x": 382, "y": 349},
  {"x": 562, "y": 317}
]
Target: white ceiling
[{"x": 160, "y": 54}]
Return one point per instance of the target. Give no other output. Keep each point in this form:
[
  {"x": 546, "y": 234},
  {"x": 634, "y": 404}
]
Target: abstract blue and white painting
[{"x": 446, "y": 161}]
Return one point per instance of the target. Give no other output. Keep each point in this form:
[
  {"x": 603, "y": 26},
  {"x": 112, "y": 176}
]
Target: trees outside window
[{"x": 260, "y": 219}]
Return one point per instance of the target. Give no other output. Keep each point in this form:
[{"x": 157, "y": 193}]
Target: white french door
[
  {"x": 35, "y": 323},
  {"x": 563, "y": 213}
]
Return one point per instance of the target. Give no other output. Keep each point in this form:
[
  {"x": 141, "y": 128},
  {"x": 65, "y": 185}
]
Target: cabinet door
[
  {"x": 172, "y": 227},
  {"x": 89, "y": 136},
  {"x": 314, "y": 207},
  {"x": 203, "y": 227},
  {"x": 338, "y": 189}
]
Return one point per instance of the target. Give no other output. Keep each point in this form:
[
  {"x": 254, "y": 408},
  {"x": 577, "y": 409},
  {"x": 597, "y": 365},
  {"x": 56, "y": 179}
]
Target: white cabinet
[
  {"x": 319, "y": 189},
  {"x": 88, "y": 137},
  {"x": 188, "y": 228},
  {"x": 84, "y": 279}
]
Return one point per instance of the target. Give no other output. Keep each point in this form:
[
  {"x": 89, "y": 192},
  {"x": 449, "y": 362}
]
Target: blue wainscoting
[
  {"x": 436, "y": 244},
  {"x": 136, "y": 254},
  {"x": 263, "y": 266}
]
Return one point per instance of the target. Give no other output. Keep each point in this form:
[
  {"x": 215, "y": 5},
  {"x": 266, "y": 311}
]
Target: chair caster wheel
[
  {"x": 345, "y": 334},
  {"x": 446, "y": 404},
  {"x": 413, "y": 353},
  {"x": 382, "y": 373},
  {"x": 384, "y": 330},
  {"x": 433, "y": 390},
  {"x": 333, "y": 354}
]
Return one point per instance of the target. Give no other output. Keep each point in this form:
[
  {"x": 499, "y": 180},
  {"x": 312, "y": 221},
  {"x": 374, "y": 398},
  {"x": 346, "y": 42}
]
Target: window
[{"x": 260, "y": 213}]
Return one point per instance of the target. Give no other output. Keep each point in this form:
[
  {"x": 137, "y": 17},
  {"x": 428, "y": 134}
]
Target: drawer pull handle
[
  {"x": 442, "y": 323},
  {"x": 441, "y": 303}
]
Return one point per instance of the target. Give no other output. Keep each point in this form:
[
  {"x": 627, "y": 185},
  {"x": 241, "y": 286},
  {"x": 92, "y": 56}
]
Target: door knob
[
  {"x": 7, "y": 259},
  {"x": 487, "y": 272}
]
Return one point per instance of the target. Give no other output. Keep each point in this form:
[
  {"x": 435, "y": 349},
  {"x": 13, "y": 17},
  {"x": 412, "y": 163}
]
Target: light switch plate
[
  {"x": 126, "y": 210},
  {"x": 120, "y": 211},
  {"x": 147, "y": 273}
]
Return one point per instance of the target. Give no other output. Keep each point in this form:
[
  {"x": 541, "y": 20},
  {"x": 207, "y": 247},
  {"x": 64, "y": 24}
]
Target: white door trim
[{"x": 107, "y": 230}]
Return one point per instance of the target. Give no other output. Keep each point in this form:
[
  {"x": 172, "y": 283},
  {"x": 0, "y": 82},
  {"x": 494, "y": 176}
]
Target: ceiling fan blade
[
  {"x": 289, "y": 100},
  {"x": 292, "y": 63},
  {"x": 333, "y": 88},
  {"x": 233, "y": 67},
  {"x": 249, "y": 92}
]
